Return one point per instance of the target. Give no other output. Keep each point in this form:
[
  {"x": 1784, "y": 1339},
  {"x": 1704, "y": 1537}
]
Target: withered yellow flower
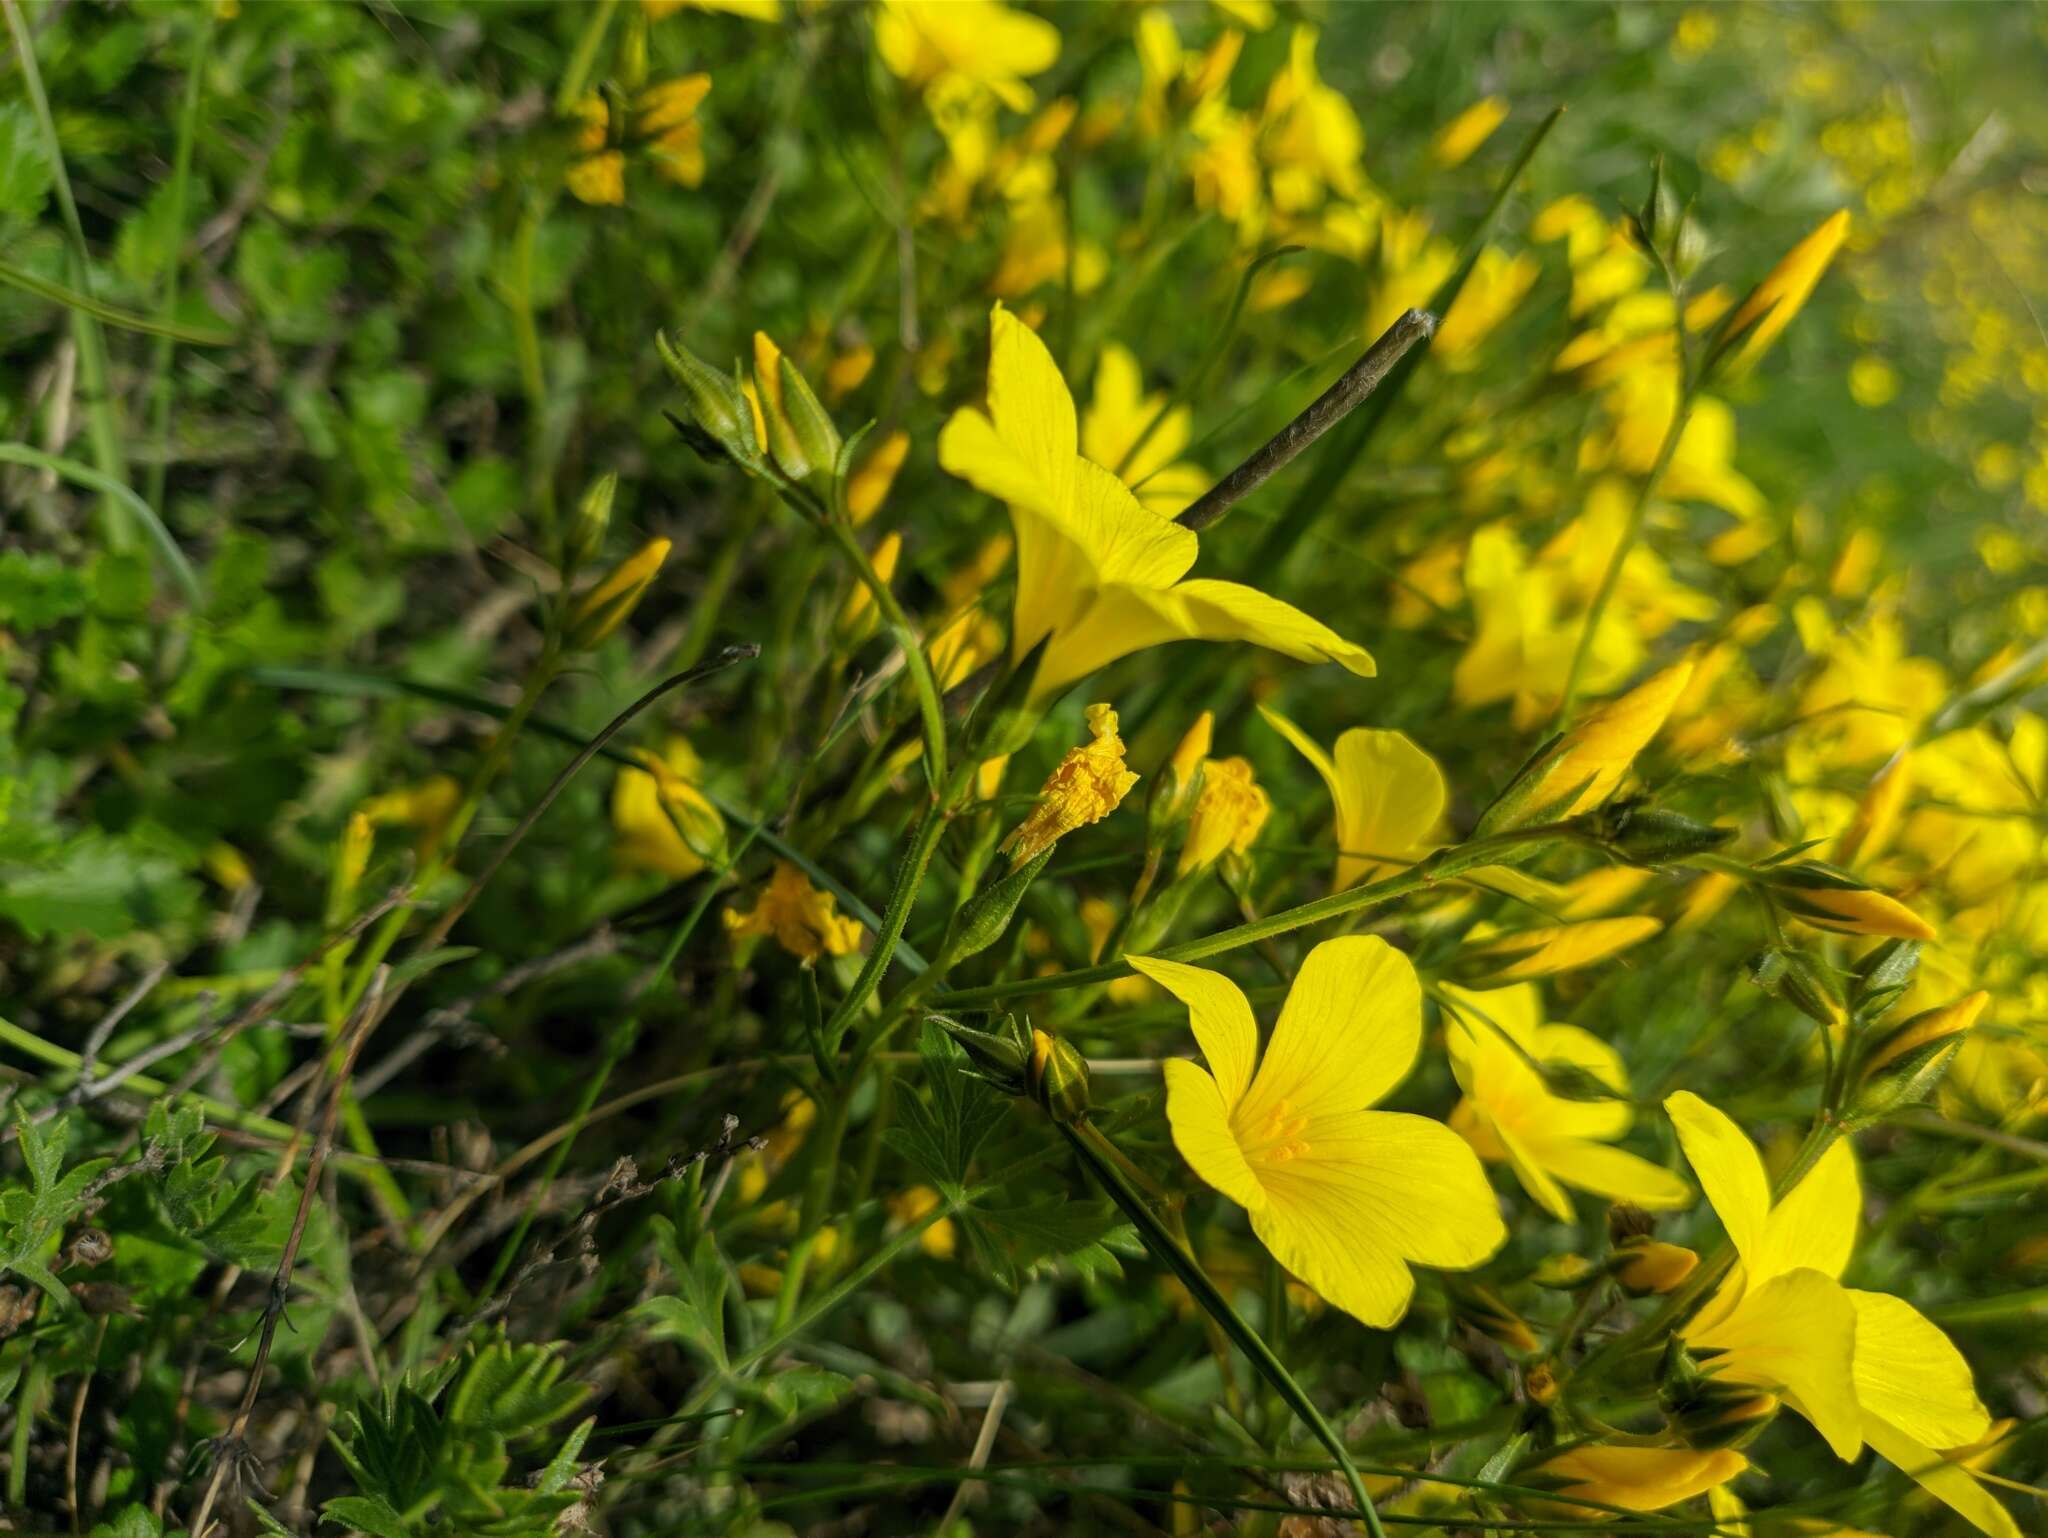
[
  {"x": 1229, "y": 812},
  {"x": 1089, "y": 784},
  {"x": 803, "y": 920}
]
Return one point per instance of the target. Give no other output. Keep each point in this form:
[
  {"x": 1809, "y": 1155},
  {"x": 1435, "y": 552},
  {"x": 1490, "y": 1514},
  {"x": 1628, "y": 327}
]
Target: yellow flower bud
[
  {"x": 1457, "y": 140},
  {"x": 1229, "y": 811},
  {"x": 1928, "y": 1026},
  {"x": 1585, "y": 766},
  {"x": 601, "y": 610},
  {"x": 1650, "y": 1265},
  {"x": 1089, "y": 784},
  {"x": 1552, "y": 948},
  {"x": 868, "y": 487},
  {"x": 1785, "y": 289},
  {"x": 1057, "y": 1077}
]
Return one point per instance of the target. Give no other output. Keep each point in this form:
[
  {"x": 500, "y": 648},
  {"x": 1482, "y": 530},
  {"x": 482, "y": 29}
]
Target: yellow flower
[
  {"x": 1552, "y": 948},
  {"x": 1463, "y": 134},
  {"x": 1089, "y": 784},
  {"x": 752, "y": 10},
  {"x": 1639, "y": 1478},
  {"x": 857, "y": 614},
  {"x": 1389, "y": 796},
  {"x": 1344, "y": 1196},
  {"x": 1496, "y": 286},
  {"x": 980, "y": 42},
  {"x": 601, "y": 610},
  {"x": 1310, "y": 138},
  {"x": 663, "y": 821},
  {"x": 599, "y": 179},
  {"x": 1827, "y": 899},
  {"x": 1098, "y": 575},
  {"x": 868, "y": 487},
  {"x": 1907, "y": 1391},
  {"x": 804, "y": 921},
  {"x": 1585, "y": 766},
  {"x": 1499, "y": 1046},
  {"x": 1119, "y": 412},
  {"x": 1228, "y": 814},
  {"x": 942, "y": 1239},
  {"x": 1785, "y": 289},
  {"x": 428, "y": 806}
]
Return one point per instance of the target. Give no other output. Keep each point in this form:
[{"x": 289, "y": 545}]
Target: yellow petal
[
  {"x": 1347, "y": 1034},
  {"x": 1377, "y": 1189},
  {"x": 1221, "y": 1018},
  {"x": 1201, "y": 1131},
  {"x": 1389, "y": 794},
  {"x": 1795, "y": 1335},
  {"x": 1950, "y": 1483},
  {"x": 1641, "y": 1478},
  {"x": 1206, "y": 610},
  {"x": 1815, "y": 1224},
  {"x": 1614, "y": 1173},
  {"x": 1728, "y": 1168},
  {"x": 1030, "y": 407},
  {"x": 1910, "y": 1375},
  {"x": 1541, "y": 1185}
]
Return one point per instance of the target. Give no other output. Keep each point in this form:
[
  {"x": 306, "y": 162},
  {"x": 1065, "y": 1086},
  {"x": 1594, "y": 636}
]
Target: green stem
[
  {"x": 581, "y": 61},
  {"x": 160, "y": 391},
  {"x": 92, "y": 343},
  {"x": 917, "y": 858},
  {"x": 1440, "y": 866},
  {"x": 1610, "y": 579},
  {"x": 117, "y": 491},
  {"x": 1087, "y": 1142},
  {"x": 930, "y": 703}
]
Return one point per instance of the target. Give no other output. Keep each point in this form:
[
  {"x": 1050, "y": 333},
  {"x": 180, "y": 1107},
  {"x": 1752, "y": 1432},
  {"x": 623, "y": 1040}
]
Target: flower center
[{"x": 1275, "y": 1138}]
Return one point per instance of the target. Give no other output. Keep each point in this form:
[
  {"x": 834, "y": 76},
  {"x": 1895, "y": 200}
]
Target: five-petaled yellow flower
[
  {"x": 1346, "y": 1197},
  {"x": 1098, "y": 575},
  {"x": 1862, "y": 1366},
  {"x": 1499, "y": 1047}
]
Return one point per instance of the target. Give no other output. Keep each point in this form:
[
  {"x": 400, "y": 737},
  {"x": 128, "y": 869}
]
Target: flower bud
[
  {"x": 1642, "y": 834},
  {"x": 985, "y": 917},
  {"x": 1488, "y": 1313},
  {"x": 1564, "y": 1273},
  {"x": 601, "y": 610},
  {"x": 1176, "y": 787},
  {"x": 1905, "y": 1066},
  {"x": 1832, "y": 899},
  {"x": 1058, "y": 1078},
  {"x": 1708, "y": 1412},
  {"x": 593, "y": 516},
  {"x": 857, "y": 616},
  {"x": 1577, "y": 771},
  {"x": 719, "y": 413},
  {"x": 1645, "y": 1265},
  {"x": 999, "y": 1059},
  {"x": 1228, "y": 813},
  {"x": 1882, "y": 977},
  {"x": 801, "y": 437},
  {"x": 1801, "y": 982}
]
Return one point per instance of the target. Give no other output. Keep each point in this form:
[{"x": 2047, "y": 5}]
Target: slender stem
[
  {"x": 92, "y": 342},
  {"x": 1500, "y": 848},
  {"x": 160, "y": 389},
  {"x": 580, "y": 62},
  {"x": 930, "y": 703},
  {"x": 116, "y": 490},
  {"x": 1088, "y": 1142},
  {"x": 1318, "y": 417}
]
